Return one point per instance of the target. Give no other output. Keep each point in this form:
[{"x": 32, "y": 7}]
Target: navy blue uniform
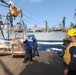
[
  {"x": 35, "y": 45},
  {"x": 72, "y": 65},
  {"x": 29, "y": 45}
]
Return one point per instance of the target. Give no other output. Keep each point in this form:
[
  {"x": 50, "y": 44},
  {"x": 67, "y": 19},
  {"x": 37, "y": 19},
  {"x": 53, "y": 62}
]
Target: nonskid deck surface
[{"x": 45, "y": 64}]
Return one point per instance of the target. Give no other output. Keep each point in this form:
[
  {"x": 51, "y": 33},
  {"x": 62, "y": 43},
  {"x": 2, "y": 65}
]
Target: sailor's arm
[{"x": 24, "y": 42}]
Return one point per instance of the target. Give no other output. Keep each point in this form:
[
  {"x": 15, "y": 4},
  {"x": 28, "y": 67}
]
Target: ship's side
[
  {"x": 54, "y": 36},
  {"x": 50, "y": 37}
]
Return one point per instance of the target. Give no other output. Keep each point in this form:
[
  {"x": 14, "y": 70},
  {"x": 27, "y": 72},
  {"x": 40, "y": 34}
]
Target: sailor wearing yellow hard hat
[{"x": 70, "y": 53}]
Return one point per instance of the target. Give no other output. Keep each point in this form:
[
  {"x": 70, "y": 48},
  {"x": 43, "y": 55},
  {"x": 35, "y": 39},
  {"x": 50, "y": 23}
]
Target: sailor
[
  {"x": 70, "y": 54},
  {"x": 13, "y": 9},
  {"x": 29, "y": 46},
  {"x": 35, "y": 46}
]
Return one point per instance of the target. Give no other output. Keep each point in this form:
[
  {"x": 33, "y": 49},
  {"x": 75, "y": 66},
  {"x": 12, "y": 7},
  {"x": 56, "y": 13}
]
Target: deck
[{"x": 46, "y": 64}]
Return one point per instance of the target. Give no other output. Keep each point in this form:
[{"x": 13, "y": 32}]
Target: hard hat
[
  {"x": 71, "y": 32},
  {"x": 32, "y": 34},
  {"x": 29, "y": 35},
  {"x": 11, "y": 3}
]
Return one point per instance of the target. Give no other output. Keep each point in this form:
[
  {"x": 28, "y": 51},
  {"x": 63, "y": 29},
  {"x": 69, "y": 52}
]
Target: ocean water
[
  {"x": 57, "y": 48},
  {"x": 44, "y": 47}
]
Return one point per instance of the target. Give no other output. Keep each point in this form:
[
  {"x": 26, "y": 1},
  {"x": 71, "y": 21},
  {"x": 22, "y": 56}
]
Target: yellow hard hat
[{"x": 71, "y": 32}]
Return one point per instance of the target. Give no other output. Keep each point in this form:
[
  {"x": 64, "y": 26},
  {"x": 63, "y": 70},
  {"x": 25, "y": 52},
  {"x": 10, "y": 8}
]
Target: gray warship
[{"x": 44, "y": 35}]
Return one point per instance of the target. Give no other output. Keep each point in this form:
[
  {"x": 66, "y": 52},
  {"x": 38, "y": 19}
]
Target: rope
[{"x": 3, "y": 5}]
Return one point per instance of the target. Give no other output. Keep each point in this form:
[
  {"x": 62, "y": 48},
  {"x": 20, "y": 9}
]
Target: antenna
[
  {"x": 75, "y": 17},
  {"x": 63, "y": 21}
]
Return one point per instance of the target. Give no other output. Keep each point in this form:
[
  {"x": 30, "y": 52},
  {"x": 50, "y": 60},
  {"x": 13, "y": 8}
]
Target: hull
[
  {"x": 50, "y": 37},
  {"x": 55, "y": 37}
]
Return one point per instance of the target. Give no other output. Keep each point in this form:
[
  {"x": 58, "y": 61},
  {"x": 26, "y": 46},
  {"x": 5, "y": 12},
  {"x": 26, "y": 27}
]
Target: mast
[
  {"x": 46, "y": 26},
  {"x": 64, "y": 21},
  {"x": 75, "y": 17}
]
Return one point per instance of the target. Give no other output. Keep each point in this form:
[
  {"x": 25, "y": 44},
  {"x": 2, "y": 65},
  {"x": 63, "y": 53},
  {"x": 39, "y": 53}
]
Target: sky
[{"x": 36, "y": 12}]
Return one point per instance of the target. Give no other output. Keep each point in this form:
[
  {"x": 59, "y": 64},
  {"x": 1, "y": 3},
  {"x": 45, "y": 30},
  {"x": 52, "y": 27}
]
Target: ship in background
[
  {"x": 44, "y": 35},
  {"x": 52, "y": 35}
]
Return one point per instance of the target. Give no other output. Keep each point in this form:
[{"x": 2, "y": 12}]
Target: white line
[{"x": 50, "y": 42}]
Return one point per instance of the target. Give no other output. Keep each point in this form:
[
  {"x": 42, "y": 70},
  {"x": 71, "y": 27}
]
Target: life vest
[
  {"x": 67, "y": 56},
  {"x": 14, "y": 12}
]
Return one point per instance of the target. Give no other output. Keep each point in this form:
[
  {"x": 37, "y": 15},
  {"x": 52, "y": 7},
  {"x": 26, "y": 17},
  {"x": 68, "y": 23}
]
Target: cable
[
  {"x": 18, "y": 16},
  {"x": 26, "y": 15},
  {"x": 3, "y": 5},
  {"x": 23, "y": 14},
  {"x": 29, "y": 18},
  {"x": 28, "y": 21}
]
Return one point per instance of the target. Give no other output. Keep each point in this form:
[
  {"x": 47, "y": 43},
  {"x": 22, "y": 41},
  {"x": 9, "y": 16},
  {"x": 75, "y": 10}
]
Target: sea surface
[
  {"x": 57, "y": 48},
  {"x": 44, "y": 47}
]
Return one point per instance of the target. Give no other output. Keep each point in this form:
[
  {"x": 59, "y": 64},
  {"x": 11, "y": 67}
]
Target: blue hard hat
[
  {"x": 29, "y": 34},
  {"x": 32, "y": 34}
]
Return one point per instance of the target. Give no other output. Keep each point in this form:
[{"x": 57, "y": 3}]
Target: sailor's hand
[{"x": 66, "y": 71}]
